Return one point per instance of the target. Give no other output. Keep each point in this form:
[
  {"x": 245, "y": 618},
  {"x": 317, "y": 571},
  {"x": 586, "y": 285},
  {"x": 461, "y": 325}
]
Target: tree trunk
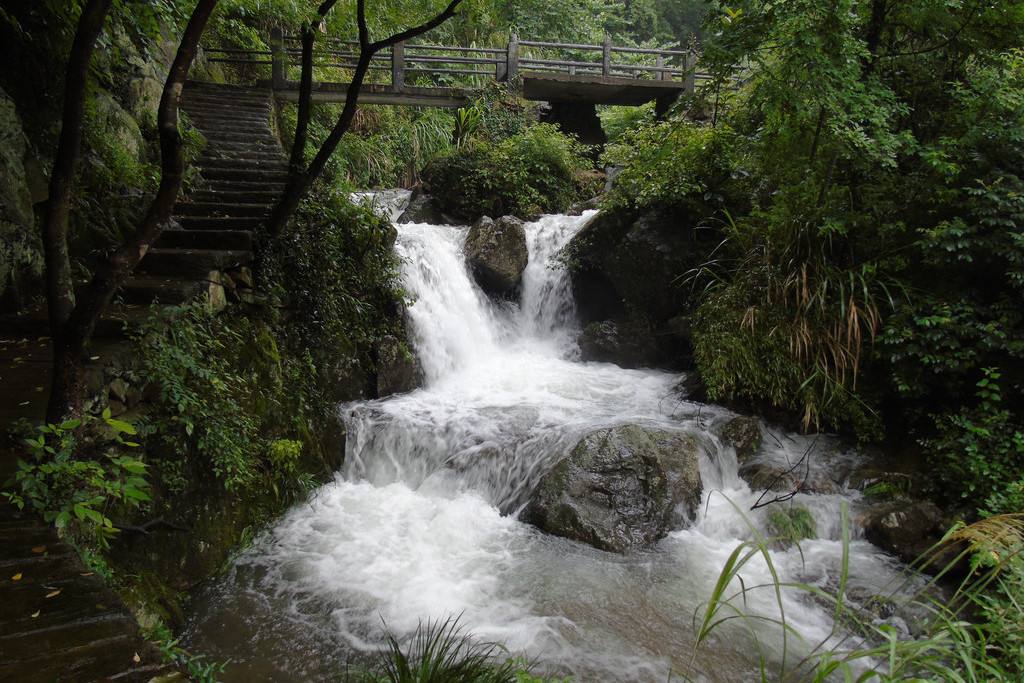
[{"x": 72, "y": 334}]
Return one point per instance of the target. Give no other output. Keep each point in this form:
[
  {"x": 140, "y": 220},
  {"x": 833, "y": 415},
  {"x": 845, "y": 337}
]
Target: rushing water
[{"x": 421, "y": 523}]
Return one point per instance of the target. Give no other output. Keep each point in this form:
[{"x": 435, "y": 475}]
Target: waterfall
[{"x": 420, "y": 524}]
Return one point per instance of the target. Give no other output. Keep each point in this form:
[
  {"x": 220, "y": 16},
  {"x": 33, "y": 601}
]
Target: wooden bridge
[{"x": 441, "y": 76}]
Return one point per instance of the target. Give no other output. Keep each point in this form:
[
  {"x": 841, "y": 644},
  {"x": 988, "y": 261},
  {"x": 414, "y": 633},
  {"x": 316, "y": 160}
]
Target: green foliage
[
  {"x": 792, "y": 524},
  {"x": 977, "y": 453},
  {"x": 81, "y": 483},
  {"x": 679, "y": 167},
  {"x": 335, "y": 269},
  {"x": 528, "y": 174},
  {"x": 384, "y": 147},
  {"x": 191, "y": 361}
]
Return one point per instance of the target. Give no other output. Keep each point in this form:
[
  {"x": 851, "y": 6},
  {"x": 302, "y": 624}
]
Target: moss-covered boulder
[
  {"x": 620, "y": 488},
  {"x": 497, "y": 253}
]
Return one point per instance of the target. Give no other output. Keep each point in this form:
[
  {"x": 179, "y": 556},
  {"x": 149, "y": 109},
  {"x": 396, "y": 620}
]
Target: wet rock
[
  {"x": 577, "y": 208},
  {"x": 397, "y": 370},
  {"x": 905, "y": 528},
  {"x": 744, "y": 435},
  {"x": 612, "y": 341},
  {"x": 497, "y": 253},
  {"x": 768, "y": 476},
  {"x": 620, "y": 489},
  {"x": 422, "y": 209}
]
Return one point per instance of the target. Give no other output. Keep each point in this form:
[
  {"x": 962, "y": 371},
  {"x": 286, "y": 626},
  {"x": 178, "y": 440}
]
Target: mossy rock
[{"x": 620, "y": 488}]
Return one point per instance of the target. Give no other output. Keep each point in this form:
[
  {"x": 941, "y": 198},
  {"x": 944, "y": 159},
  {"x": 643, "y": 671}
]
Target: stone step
[
  {"x": 246, "y": 175},
  {"x": 244, "y": 146},
  {"x": 242, "y": 164},
  {"x": 249, "y": 127},
  {"x": 225, "y": 98},
  {"x": 147, "y": 289},
  {"x": 192, "y": 262},
  {"x": 218, "y": 137},
  {"x": 271, "y": 191},
  {"x": 267, "y": 194},
  {"x": 221, "y": 209},
  {"x": 251, "y": 117},
  {"x": 249, "y": 223},
  {"x": 258, "y": 152},
  {"x": 206, "y": 239}
]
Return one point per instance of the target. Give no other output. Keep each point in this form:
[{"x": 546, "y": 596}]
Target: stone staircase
[
  {"x": 58, "y": 621},
  {"x": 208, "y": 247}
]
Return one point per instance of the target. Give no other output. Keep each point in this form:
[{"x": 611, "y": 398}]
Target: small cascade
[{"x": 421, "y": 522}]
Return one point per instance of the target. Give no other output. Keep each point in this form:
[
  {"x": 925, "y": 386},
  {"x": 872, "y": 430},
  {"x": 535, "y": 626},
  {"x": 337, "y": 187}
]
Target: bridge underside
[
  {"x": 630, "y": 92},
  {"x": 577, "y": 88}
]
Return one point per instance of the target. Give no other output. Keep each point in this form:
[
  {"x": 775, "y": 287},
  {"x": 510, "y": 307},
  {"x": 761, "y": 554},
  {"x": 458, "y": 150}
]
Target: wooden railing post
[
  {"x": 512, "y": 61},
  {"x": 398, "y": 67},
  {"x": 277, "y": 59},
  {"x": 690, "y": 62},
  {"x": 606, "y": 57}
]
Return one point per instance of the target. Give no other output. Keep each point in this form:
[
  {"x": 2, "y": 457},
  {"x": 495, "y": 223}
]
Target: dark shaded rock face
[
  {"x": 905, "y": 528},
  {"x": 397, "y": 371},
  {"x": 423, "y": 209},
  {"x": 612, "y": 341},
  {"x": 744, "y": 435},
  {"x": 629, "y": 263},
  {"x": 497, "y": 253},
  {"x": 620, "y": 489}
]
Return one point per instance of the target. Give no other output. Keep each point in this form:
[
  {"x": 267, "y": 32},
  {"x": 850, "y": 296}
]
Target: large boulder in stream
[
  {"x": 497, "y": 253},
  {"x": 620, "y": 489}
]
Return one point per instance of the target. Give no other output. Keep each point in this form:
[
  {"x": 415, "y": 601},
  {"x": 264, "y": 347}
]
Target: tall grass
[{"x": 974, "y": 636}]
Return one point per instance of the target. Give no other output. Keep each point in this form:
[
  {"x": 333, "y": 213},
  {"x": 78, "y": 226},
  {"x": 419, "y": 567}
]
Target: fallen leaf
[
  {"x": 101, "y": 606},
  {"x": 23, "y": 403},
  {"x": 39, "y": 549},
  {"x": 136, "y": 658},
  {"x": 36, "y": 614},
  {"x": 94, "y": 357},
  {"x": 16, "y": 577},
  {"x": 86, "y": 574},
  {"x": 53, "y": 593}
]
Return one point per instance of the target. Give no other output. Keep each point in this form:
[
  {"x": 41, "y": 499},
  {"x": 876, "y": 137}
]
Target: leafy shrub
[
  {"x": 336, "y": 272},
  {"x": 81, "y": 483},
  {"x": 527, "y": 174},
  {"x": 977, "y": 453},
  {"x": 191, "y": 362},
  {"x": 679, "y": 167}
]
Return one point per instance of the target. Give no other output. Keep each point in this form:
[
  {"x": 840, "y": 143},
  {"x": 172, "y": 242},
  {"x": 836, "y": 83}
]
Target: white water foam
[{"x": 420, "y": 523}]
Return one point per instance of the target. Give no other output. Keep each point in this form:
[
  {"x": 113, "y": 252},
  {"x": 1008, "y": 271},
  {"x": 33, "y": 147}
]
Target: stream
[{"x": 421, "y": 524}]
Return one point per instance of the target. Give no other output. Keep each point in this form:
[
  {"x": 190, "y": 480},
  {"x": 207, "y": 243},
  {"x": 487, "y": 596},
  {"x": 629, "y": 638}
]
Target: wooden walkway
[{"x": 447, "y": 76}]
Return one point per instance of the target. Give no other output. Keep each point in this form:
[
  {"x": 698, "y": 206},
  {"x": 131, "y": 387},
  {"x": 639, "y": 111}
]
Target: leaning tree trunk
[
  {"x": 60, "y": 295},
  {"x": 72, "y": 327},
  {"x": 300, "y": 180}
]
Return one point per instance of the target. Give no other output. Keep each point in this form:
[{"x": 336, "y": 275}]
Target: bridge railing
[{"x": 470, "y": 67}]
